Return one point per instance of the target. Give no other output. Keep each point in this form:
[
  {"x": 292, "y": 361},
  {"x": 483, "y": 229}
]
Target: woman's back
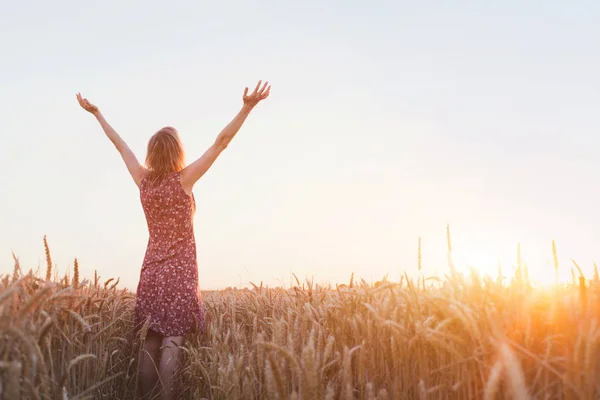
[{"x": 169, "y": 214}]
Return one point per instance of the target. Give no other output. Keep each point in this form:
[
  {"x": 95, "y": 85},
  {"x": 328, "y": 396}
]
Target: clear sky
[{"x": 387, "y": 120}]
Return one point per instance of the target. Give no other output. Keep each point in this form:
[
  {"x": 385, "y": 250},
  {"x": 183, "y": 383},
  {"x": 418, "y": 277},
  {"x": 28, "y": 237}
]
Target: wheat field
[{"x": 463, "y": 337}]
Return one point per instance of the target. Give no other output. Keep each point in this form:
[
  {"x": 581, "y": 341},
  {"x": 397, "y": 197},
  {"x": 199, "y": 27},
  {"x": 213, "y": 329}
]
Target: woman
[{"x": 167, "y": 298}]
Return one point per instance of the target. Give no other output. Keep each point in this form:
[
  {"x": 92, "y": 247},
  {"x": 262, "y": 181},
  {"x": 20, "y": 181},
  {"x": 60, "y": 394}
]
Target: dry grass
[{"x": 461, "y": 338}]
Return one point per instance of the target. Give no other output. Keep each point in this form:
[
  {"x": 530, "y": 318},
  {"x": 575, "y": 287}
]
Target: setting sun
[{"x": 540, "y": 267}]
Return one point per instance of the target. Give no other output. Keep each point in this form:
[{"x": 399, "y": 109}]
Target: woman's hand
[
  {"x": 260, "y": 93},
  {"x": 86, "y": 105},
  {"x": 133, "y": 166}
]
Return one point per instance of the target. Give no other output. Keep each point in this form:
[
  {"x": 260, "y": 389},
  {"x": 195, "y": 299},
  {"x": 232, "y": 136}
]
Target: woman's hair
[{"x": 165, "y": 154}]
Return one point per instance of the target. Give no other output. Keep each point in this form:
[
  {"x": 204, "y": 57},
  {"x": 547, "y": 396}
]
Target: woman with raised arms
[{"x": 168, "y": 301}]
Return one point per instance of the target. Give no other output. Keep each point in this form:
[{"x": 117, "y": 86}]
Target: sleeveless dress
[{"x": 168, "y": 292}]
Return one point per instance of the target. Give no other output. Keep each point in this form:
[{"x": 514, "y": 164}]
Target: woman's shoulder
[{"x": 144, "y": 177}]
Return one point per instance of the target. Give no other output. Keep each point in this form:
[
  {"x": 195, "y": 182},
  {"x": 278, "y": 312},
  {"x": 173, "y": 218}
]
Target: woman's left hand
[{"x": 260, "y": 93}]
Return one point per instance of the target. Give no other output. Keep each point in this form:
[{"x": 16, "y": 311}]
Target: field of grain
[{"x": 463, "y": 337}]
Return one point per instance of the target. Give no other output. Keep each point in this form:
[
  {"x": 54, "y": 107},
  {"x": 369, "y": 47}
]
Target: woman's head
[{"x": 165, "y": 154}]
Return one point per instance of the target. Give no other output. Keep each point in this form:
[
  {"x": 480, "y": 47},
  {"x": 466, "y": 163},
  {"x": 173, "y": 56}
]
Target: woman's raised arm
[
  {"x": 133, "y": 166},
  {"x": 195, "y": 170}
]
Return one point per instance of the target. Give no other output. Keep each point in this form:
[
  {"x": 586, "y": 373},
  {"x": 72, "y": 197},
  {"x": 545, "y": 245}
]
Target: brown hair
[{"x": 165, "y": 154}]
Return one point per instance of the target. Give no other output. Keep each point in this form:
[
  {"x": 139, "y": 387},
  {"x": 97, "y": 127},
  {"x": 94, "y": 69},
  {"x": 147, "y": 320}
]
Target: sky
[{"x": 387, "y": 121}]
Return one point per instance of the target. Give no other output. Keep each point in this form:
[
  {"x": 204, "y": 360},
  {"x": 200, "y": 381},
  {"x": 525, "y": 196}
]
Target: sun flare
[{"x": 490, "y": 263}]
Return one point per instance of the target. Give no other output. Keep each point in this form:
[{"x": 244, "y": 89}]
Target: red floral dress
[{"x": 168, "y": 291}]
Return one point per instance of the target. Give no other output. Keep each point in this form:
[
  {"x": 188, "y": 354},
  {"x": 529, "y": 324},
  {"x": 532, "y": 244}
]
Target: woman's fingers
[
  {"x": 257, "y": 87},
  {"x": 82, "y": 102},
  {"x": 264, "y": 87},
  {"x": 85, "y": 103},
  {"x": 259, "y": 90},
  {"x": 265, "y": 92}
]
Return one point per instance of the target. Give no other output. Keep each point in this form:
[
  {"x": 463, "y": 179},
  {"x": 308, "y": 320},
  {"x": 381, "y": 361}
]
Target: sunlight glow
[{"x": 488, "y": 262}]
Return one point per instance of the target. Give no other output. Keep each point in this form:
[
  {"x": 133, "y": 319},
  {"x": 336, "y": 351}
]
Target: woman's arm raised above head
[
  {"x": 195, "y": 170},
  {"x": 133, "y": 166}
]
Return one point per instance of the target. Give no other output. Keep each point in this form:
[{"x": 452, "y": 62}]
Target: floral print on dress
[{"x": 168, "y": 291}]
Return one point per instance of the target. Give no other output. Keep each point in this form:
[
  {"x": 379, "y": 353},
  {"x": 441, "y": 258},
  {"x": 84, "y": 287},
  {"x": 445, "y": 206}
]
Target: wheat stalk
[
  {"x": 75, "y": 274},
  {"x": 48, "y": 260}
]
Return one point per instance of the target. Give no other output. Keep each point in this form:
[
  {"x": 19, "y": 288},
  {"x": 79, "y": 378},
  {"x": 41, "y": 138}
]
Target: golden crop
[{"x": 464, "y": 337}]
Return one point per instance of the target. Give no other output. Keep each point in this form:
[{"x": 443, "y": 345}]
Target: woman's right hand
[
  {"x": 86, "y": 105},
  {"x": 260, "y": 93}
]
